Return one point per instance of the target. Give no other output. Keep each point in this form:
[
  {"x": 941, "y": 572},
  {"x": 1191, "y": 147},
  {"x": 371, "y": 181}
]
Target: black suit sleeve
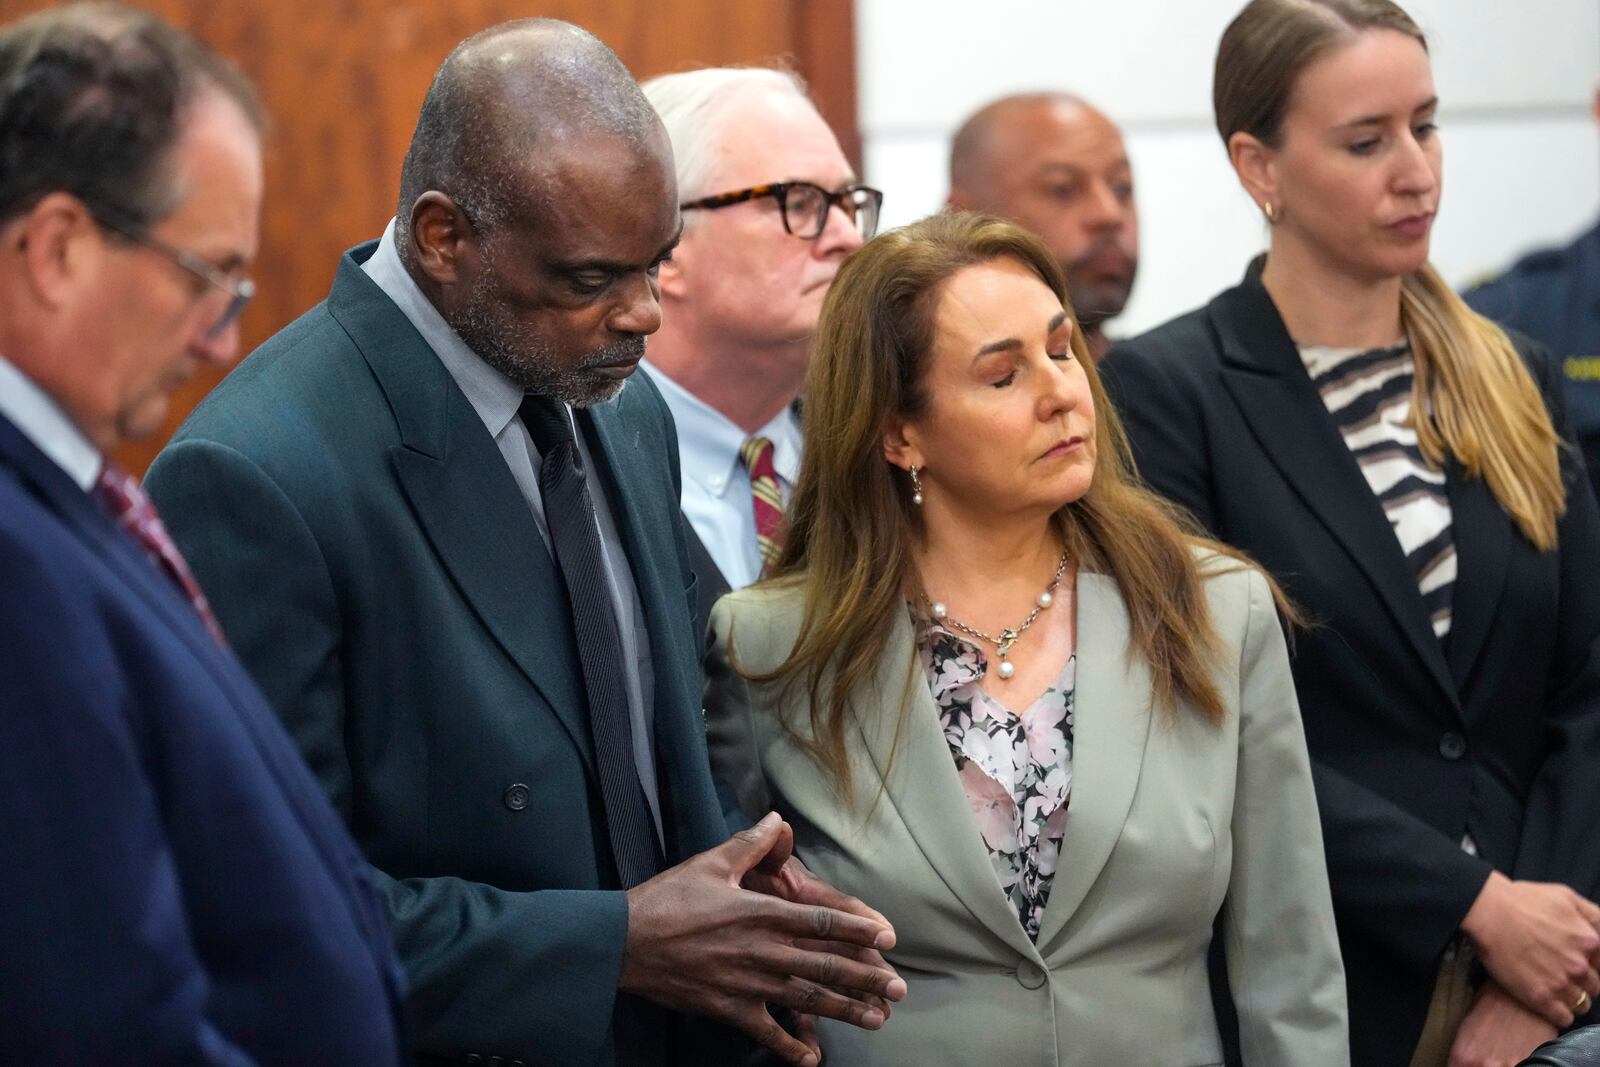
[
  {"x": 1398, "y": 879},
  {"x": 488, "y": 968},
  {"x": 99, "y": 964},
  {"x": 1562, "y": 819}
]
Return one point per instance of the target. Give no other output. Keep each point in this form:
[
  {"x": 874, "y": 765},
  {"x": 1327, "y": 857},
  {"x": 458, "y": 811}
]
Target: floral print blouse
[{"x": 1016, "y": 769}]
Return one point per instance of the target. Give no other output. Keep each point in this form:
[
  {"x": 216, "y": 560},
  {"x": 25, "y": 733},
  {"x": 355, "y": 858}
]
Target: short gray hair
[
  {"x": 504, "y": 98},
  {"x": 689, "y": 103}
]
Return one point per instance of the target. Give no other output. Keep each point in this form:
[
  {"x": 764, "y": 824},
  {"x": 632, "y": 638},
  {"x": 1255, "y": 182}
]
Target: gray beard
[{"x": 528, "y": 361}]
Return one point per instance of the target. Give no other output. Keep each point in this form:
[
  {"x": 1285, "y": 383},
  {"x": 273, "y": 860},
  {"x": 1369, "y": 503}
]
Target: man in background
[
  {"x": 771, "y": 208},
  {"x": 438, "y": 515},
  {"x": 1053, "y": 164},
  {"x": 1553, "y": 296},
  {"x": 174, "y": 887}
]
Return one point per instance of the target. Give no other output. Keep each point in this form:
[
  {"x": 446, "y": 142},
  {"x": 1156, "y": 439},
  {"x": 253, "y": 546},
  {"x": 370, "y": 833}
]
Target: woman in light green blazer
[{"x": 1003, "y": 696}]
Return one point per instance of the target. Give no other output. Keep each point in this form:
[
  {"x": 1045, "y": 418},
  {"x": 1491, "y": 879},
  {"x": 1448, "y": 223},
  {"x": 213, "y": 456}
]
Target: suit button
[
  {"x": 1452, "y": 746},
  {"x": 473, "y": 1057},
  {"x": 1030, "y": 974},
  {"x": 495, "y": 1061},
  {"x": 516, "y": 797}
]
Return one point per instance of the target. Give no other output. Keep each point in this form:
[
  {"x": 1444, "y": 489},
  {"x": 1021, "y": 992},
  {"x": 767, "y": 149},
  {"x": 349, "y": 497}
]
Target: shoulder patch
[{"x": 1582, "y": 368}]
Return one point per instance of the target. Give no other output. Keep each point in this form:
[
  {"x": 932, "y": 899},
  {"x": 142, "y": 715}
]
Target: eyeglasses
[
  {"x": 805, "y": 206},
  {"x": 239, "y": 290}
]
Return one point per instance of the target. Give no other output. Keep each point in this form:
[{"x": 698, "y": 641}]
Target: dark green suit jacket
[{"x": 376, "y": 568}]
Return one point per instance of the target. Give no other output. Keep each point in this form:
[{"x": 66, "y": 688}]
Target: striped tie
[
  {"x": 120, "y": 494},
  {"x": 766, "y": 498}
]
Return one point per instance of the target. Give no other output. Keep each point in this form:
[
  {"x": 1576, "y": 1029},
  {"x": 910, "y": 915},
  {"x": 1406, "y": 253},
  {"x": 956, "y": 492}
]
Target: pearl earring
[{"x": 916, "y": 488}]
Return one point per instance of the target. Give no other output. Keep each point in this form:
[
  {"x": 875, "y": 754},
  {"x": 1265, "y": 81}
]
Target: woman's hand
[
  {"x": 1498, "y": 1032},
  {"x": 1540, "y": 941}
]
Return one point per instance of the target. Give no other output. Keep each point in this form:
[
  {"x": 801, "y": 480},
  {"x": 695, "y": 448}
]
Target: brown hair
[
  {"x": 1473, "y": 397},
  {"x": 852, "y": 524}
]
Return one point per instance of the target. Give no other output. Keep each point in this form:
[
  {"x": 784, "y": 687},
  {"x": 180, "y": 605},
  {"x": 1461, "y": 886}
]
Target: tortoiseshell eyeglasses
[{"x": 804, "y": 206}]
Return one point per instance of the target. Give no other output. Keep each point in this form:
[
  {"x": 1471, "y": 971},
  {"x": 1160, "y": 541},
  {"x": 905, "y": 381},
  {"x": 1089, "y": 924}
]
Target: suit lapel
[
  {"x": 644, "y": 506},
  {"x": 922, "y": 785},
  {"x": 161, "y": 597},
  {"x": 466, "y": 500},
  {"x": 1263, "y": 373},
  {"x": 1111, "y": 726},
  {"x": 633, "y": 498},
  {"x": 79, "y": 511},
  {"x": 1483, "y": 534}
]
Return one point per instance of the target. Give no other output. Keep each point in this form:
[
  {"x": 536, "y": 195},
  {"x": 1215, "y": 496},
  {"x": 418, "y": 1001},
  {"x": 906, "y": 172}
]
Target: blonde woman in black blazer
[{"x": 1454, "y": 727}]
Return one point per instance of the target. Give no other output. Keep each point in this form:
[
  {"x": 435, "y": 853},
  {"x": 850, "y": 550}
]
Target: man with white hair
[{"x": 771, "y": 208}]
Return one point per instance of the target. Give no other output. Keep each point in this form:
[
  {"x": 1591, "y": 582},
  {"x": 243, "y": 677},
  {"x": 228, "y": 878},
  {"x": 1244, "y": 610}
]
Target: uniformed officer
[{"x": 1553, "y": 296}]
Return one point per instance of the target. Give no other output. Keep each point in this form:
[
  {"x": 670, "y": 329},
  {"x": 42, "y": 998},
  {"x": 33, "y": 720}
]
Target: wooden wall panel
[{"x": 343, "y": 80}]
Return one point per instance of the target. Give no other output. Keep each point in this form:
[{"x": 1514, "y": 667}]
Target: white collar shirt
[
  {"x": 42, "y": 421},
  {"x": 716, "y": 486}
]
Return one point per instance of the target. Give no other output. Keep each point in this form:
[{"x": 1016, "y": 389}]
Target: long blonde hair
[
  {"x": 852, "y": 524},
  {"x": 1472, "y": 398}
]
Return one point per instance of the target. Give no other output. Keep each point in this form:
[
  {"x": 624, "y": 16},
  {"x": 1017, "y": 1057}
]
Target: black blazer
[
  {"x": 710, "y": 583},
  {"x": 1416, "y": 742}
]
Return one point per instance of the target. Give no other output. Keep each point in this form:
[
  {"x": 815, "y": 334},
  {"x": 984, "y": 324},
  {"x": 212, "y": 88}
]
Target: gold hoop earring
[
  {"x": 916, "y": 488},
  {"x": 1270, "y": 211}
]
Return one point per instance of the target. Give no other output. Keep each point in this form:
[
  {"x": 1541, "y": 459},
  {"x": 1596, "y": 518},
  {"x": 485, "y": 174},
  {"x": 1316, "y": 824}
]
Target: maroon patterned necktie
[
  {"x": 766, "y": 498},
  {"x": 119, "y": 493}
]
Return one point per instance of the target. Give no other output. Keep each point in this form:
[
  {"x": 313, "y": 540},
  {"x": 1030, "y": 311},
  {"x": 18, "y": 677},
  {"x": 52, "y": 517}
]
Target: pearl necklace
[{"x": 1007, "y": 637}]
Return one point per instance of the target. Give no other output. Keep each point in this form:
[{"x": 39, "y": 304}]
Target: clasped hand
[
  {"x": 1541, "y": 942},
  {"x": 744, "y": 925}
]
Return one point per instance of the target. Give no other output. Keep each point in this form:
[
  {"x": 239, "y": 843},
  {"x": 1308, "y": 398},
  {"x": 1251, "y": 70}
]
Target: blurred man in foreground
[{"x": 175, "y": 888}]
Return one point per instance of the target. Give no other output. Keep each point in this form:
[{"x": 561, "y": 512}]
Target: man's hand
[
  {"x": 1539, "y": 941},
  {"x": 699, "y": 942},
  {"x": 1498, "y": 1032},
  {"x": 781, "y": 874}
]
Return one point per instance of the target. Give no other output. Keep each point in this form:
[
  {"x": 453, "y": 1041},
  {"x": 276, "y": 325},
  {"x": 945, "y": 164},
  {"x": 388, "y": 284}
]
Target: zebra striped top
[{"x": 1368, "y": 394}]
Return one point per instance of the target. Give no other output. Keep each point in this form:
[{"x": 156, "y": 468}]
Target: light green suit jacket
[{"x": 1173, "y": 820}]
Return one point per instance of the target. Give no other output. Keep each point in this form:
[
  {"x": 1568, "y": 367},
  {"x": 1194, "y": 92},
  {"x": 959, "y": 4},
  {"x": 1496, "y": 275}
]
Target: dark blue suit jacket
[
  {"x": 174, "y": 888},
  {"x": 365, "y": 544}
]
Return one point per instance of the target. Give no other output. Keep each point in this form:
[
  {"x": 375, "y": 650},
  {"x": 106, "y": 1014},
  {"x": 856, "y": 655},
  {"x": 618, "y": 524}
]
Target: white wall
[{"x": 1516, "y": 82}]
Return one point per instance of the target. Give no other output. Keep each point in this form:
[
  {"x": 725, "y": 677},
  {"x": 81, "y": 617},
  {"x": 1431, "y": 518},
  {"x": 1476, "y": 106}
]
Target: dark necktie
[
  {"x": 119, "y": 493},
  {"x": 569, "y": 514}
]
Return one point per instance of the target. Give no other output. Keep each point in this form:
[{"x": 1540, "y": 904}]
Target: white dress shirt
[
  {"x": 716, "y": 487},
  {"x": 496, "y": 399},
  {"x": 41, "y": 420}
]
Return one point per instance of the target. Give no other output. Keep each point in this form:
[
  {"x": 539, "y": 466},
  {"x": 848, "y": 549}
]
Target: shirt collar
[
  {"x": 492, "y": 395},
  {"x": 709, "y": 442},
  {"x": 41, "y": 420}
]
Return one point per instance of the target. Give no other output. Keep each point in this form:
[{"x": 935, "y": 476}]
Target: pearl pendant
[
  {"x": 1006, "y": 669},
  {"x": 1045, "y": 600},
  {"x": 938, "y": 610},
  {"x": 916, "y": 498}
]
